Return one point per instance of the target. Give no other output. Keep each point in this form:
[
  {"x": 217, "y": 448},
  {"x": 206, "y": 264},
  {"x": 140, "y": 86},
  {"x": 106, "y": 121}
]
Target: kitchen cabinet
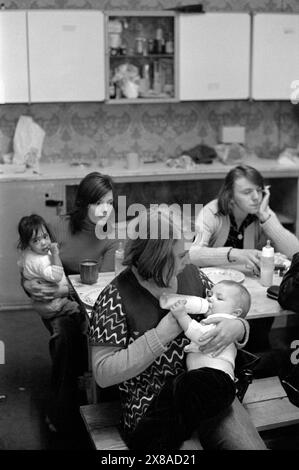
[
  {"x": 13, "y": 57},
  {"x": 17, "y": 200},
  {"x": 214, "y": 56},
  {"x": 141, "y": 46},
  {"x": 66, "y": 55},
  {"x": 275, "y": 63}
]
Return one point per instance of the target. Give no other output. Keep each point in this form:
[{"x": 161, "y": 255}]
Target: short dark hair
[
  {"x": 91, "y": 189},
  {"x": 28, "y": 227},
  {"x": 225, "y": 195},
  {"x": 245, "y": 297},
  {"x": 153, "y": 256}
]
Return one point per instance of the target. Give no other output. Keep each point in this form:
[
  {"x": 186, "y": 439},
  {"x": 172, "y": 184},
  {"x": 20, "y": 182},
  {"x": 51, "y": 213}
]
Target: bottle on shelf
[
  {"x": 159, "y": 43},
  {"x": 111, "y": 87},
  {"x": 118, "y": 258},
  {"x": 115, "y": 36},
  {"x": 267, "y": 265},
  {"x": 139, "y": 40},
  {"x": 157, "y": 82},
  {"x": 169, "y": 49},
  {"x": 145, "y": 80},
  {"x": 150, "y": 46}
]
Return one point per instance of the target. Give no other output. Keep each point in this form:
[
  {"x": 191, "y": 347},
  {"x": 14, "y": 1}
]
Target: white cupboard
[
  {"x": 18, "y": 199},
  {"x": 275, "y": 61},
  {"x": 13, "y": 57},
  {"x": 214, "y": 56},
  {"x": 66, "y": 55}
]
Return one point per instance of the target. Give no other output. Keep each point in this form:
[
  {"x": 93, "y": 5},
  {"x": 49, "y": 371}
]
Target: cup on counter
[
  {"x": 89, "y": 271},
  {"x": 133, "y": 161}
]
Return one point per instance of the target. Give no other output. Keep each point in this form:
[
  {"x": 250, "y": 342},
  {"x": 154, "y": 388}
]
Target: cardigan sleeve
[
  {"x": 112, "y": 365},
  {"x": 114, "y": 358},
  {"x": 283, "y": 240},
  {"x": 202, "y": 252}
]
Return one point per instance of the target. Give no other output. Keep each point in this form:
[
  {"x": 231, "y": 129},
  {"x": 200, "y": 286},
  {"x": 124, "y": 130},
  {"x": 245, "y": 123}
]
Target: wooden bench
[
  {"x": 265, "y": 401},
  {"x": 101, "y": 422},
  {"x": 268, "y": 405}
]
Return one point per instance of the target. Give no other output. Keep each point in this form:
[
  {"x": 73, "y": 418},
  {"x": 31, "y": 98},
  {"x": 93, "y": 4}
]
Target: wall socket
[{"x": 233, "y": 134}]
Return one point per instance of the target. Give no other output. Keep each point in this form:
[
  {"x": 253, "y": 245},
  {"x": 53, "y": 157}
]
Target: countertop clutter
[{"x": 145, "y": 172}]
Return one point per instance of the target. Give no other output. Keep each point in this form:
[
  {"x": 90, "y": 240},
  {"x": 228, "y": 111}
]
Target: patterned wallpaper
[{"x": 97, "y": 131}]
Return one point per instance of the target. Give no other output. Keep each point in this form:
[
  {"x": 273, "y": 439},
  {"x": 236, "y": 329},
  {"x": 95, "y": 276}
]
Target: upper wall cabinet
[
  {"x": 13, "y": 57},
  {"x": 214, "y": 56},
  {"x": 275, "y": 55},
  {"x": 141, "y": 57},
  {"x": 66, "y": 55}
]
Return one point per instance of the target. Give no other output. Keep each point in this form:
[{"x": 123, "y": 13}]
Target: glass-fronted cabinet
[{"x": 141, "y": 57}]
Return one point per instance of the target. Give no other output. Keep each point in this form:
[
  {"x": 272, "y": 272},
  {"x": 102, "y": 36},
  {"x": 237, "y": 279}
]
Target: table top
[
  {"x": 82, "y": 289},
  {"x": 261, "y": 305}
]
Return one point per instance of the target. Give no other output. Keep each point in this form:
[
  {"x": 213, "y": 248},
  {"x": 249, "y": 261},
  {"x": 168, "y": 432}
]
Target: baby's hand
[
  {"x": 54, "y": 249},
  {"x": 192, "y": 347},
  {"x": 178, "y": 308}
]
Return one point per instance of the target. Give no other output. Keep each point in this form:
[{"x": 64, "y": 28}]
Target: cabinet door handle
[{"x": 53, "y": 203}]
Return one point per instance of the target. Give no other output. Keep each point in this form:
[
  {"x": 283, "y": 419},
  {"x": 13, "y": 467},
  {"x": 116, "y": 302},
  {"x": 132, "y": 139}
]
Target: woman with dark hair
[
  {"x": 76, "y": 233},
  {"x": 234, "y": 227},
  {"x": 77, "y": 239},
  {"x": 140, "y": 346}
]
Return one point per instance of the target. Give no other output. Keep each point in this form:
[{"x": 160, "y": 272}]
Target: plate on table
[
  {"x": 90, "y": 297},
  {"x": 222, "y": 274}
]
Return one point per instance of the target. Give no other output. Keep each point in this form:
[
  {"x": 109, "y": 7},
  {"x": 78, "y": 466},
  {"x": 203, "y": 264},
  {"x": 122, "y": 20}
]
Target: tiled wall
[{"x": 95, "y": 131}]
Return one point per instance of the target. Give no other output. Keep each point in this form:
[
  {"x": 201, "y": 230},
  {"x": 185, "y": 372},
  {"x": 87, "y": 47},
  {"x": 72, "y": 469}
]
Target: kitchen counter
[{"x": 147, "y": 171}]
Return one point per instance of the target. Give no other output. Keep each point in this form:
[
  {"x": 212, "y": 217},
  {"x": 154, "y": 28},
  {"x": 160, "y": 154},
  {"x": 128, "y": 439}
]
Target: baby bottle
[
  {"x": 193, "y": 304},
  {"x": 267, "y": 265}
]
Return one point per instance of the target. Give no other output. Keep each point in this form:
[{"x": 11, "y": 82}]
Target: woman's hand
[
  {"x": 168, "y": 329},
  {"x": 264, "y": 210},
  {"x": 41, "y": 290},
  {"x": 251, "y": 258},
  {"x": 227, "y": 331}
]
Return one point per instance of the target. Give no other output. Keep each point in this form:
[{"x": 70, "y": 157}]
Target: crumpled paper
[
  {"x": 27, "y": 143},
  {"x": 184, "y": 161}
]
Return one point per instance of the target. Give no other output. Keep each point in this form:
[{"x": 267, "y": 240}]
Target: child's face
[
  {"x": 222, "y": 299},
  {"x": 40, "y": 241}
]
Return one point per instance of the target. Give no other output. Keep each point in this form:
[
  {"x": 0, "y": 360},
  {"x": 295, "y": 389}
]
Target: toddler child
[
  {"x": 40, "y": 259},
  {"x": 208, "y": 385}
]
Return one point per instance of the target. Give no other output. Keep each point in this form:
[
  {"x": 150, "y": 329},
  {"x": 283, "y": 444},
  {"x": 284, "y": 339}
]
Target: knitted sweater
[
  {"x": 73, "y": 248},
  {"x": 213, "y": 229},
  {"x": 126, "y": 348}
]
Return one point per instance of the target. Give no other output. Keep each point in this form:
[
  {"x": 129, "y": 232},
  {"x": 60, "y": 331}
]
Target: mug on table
[{"x": 89, "y": 271}]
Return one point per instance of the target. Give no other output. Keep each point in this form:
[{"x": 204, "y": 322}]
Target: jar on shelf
[
  {"x": 114, "y": 33},
  {"x": 139, "y": 45},
  {"x": 169, "y": 47}
]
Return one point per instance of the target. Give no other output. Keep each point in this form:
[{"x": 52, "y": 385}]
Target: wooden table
[
  {"x": 261, "y": 305},
  {"x": 81, "y": 289}
]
